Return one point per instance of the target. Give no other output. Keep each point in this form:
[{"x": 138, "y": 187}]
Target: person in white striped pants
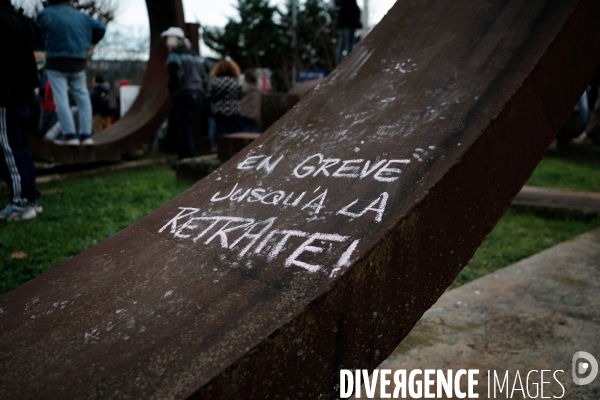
[{"x": 18, "y": 78}]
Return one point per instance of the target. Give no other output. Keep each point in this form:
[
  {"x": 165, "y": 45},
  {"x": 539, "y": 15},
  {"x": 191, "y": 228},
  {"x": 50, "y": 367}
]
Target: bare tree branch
[
  {"x": 124, "y": 43},
  {"x": 103, "y": 10},
  {"x": 29, "y": 7}
]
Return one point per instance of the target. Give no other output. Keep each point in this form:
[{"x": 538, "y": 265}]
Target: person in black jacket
[
  {"x": 100, "y": 96},
  {"x": 188, "y": 78},
  {"x": 348, "y": 23},
  {"x": 18, "y": 79}
]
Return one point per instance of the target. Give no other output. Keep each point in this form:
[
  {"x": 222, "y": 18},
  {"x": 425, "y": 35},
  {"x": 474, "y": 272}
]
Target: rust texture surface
[
  {"x": 146, "y": 114},
  {"x": 320, "y": 245},
  {"x": 229, "y": 145},
  {"x": 274, "y": 106}
]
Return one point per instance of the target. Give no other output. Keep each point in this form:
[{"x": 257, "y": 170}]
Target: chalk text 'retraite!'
[{"x": 250, "y": 237}]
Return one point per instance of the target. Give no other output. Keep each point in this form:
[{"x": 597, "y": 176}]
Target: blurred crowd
[
  {"x": 46, "y": 76},
  {"x": 44, "y": 89},
  {"x": 233, "y": 99}
]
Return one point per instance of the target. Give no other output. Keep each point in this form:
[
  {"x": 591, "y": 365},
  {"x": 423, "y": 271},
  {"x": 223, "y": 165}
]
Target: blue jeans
[
  {"x": 345, "y": 44},
  {"x": 212, "y": 131},
  {"x": 227, "y": 125},
  {"x": 249, "y": 125},
  {"x": 77, "y": 82}
]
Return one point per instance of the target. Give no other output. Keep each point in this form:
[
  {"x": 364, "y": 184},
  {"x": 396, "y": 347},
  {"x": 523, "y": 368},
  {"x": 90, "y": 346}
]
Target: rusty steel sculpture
[{"x": 320, "y": 245}]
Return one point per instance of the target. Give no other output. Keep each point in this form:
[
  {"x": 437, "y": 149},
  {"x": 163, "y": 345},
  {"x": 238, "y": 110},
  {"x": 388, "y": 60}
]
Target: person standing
[
  {"x": 188, "y": 78},
  {"x": 68, "y": 34},
  {"x": 348, "y": 23},
  {"x": 100, "y": 96},
  {"x": 225, "y": 93},
  {"x": 18, "y": 79}
]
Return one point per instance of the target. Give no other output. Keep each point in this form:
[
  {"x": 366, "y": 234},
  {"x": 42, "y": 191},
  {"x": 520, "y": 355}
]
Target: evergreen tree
[
  {"x": 262, "y": 37},
  {"x": 316, "y": 33},
  {"x": 252, "y": 41}
]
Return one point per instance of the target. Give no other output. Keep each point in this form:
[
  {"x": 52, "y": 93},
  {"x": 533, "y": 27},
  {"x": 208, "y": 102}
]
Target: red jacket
[{"x": 48, "y": 104}]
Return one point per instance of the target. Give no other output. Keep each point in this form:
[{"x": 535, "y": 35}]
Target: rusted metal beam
[
  {"x": 321, "y": 244},
  {"x": 147, "y": 113},
  {"x": 193, "y": 34},
  {"x": 229, "y": 145}
]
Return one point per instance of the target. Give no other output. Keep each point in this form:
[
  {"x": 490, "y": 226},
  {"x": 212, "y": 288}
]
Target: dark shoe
[
  {"x": 13, "y": 212},
  {"x": 86, "y": 139},
  {"x": 68, "y": 139}
]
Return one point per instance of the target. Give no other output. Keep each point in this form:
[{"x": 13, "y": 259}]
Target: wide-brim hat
[{"x": 173, "y": 31}]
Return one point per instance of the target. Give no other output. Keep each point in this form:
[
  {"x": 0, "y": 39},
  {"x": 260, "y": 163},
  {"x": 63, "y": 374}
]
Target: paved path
[{"x": 532, "y": 315}]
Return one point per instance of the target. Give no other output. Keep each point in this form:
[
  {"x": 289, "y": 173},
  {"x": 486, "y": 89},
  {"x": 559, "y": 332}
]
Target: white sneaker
[
  {"x": 37, "y": 207},
  {"x": 69, "y": 140},
  {"x": 51, "y": 134},
  {"x": 86, "y": 140},
  {"x": 13, "y": 212}
]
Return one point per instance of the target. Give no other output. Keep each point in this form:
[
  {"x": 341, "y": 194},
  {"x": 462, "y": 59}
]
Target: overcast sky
[{"x": 217, "y": 12}]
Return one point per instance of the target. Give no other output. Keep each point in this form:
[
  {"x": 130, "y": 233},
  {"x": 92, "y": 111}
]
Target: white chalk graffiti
[
  {"x": 272, "y": 197},
  {"x": 92, "y": 337},
  {"x": 381, "y": 201},
  {"x": 317, "y": 164},
  {"x": 235, "y": 232},
  {"x": 248, "y": 237},
  {"x": 259, "y": 162}
]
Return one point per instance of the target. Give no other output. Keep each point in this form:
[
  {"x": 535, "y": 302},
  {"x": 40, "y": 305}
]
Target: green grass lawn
[
  {"x": 81, "y": 213},
  {"x": 78, "y": 214},
  {"x": 519, "y": 235},
  {"x": 560, "y": 173}
]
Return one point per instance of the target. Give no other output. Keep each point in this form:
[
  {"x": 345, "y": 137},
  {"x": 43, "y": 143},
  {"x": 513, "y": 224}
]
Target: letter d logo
[{"x": 583, "y": 367}]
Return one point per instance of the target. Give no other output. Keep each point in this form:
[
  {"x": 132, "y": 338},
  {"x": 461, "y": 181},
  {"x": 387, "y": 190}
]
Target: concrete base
[
  {"x": 556, "y": 201},
  {"x": 533, "y": 315}
]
